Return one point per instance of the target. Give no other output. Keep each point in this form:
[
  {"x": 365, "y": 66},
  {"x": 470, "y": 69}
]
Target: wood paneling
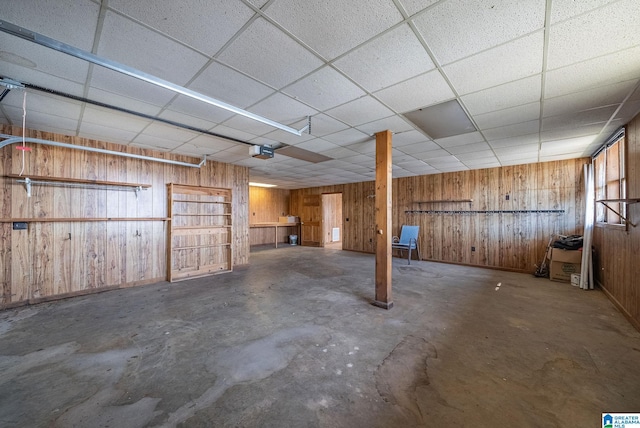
[
  {"x": 266, "y": 205},
  {"x": 331, "y": 217},
  {"x": 514, "y": 241},
  {"x": 616, "y": 266},
  {"x": 63, "y": 258}
]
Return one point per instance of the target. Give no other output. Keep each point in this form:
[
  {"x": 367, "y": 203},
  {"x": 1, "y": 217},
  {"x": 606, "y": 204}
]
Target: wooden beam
[{"x": 383, "y": 220}]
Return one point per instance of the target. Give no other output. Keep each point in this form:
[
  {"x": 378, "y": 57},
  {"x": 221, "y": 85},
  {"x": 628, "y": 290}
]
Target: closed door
[{"x": 311, "y": 228}]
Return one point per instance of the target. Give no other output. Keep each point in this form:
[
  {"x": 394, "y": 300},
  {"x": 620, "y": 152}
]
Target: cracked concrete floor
[{"x": 292, "y": 341}]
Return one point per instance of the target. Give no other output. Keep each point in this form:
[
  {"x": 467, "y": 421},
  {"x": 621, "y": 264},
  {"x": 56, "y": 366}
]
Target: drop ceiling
[{"x": 540, "y": 80}]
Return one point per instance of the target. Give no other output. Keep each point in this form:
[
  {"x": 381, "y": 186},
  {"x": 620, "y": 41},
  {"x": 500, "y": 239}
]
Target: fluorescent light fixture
[
  {"x": 254, "y": 184},
  {"x": 442, "y": 120},
  {"x": 48, "y": 42}
]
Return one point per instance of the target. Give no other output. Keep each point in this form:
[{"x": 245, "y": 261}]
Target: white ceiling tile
[
  {"x": 364, "y": 147},
  {"x": 394, "y": 124},
  {"x": 168, "y": 132},
  {"x": 482, "y": 163},
  {"x": 155, "y": 143},
  {"x": 283, "y": 109},
  {"x": 183, "y": 20},
  {"x": 262, "y": 50},
  {"x": 470, "y": 156},
  {"x": 362, "y": 110},
  {"x": 479, "y": 71},
  {"x": 245, "y": 125},
  {"x": 563, "y": 156},
  {"x": 24, "y": 61},
  {"x": 69, "y": 21},
  {"x": 435, "y": 154},
  {"x": 565, "y": 9},
  {"x": 406, "y": 138},
  {"x": 571, "y": 145},
  {"x": 628, "y": 111},
  {"x": 123, "y": 102},
  {"x": 112, "y": 119},
  {"x": 346, "y": 137},
  {"x": 321, "y": 125},
  {"x": 395, "y": 56},
  {"x": 42, "y": 121},
  {"x": 605, "y": 70},
  {"x": 221, "y": 82},
  {"x": 609, "y": 29},
  {"x": 468, "y": 148},
  {"x": 566, "y": 133},
  {"x": 131, "y": 44},
  {"x": 509, "y": 116},
  {"x": 414, "y": 6},
  {"x": 512, "y": 94},
  {"x": 517, "y": 152},
  {"x": 420, "y": 91},
  {"x": 332, "y": 27},
  {"x": 601, "y": 96},
  {"x": 324, "y": 89},
  {"x": 228, "y": 131},
  {"x": 195, "y": 113},
  {"x": 317, "y": 145},
  {"x": 515, "y": 141},
  {"x": 108, "y": 134},
  {"x": 43, "y": 103},
  {"x": 457, "y": 140},
  {"x": 455, "y": 29},
  {"x": 516, "y": 130},
  {"x": 579, "y": 119},
  {"x": 523, "y": 161},
  {"x": 419, "y": 147},
  {"x": 115, "y": 83},
  {"x": 188, "y": 149},
  {"x": 212, "y": 144}
]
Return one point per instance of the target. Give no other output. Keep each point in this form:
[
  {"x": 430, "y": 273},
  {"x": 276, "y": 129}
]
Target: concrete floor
[{"x": 293, "y": 341}]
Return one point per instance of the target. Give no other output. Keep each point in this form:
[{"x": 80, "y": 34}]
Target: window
[{"x": 610, "y": 181}]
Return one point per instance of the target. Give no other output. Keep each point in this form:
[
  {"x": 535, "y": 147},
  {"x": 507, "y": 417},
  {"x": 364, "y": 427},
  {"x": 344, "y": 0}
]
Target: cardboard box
[
  {"x": 289, "y": 219},
  {"x": 563, "y": 264}
]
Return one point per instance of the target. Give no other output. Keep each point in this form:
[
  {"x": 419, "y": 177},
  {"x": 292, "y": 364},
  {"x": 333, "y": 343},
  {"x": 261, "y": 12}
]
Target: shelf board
[
  {"x": 624, "y": 201},
  {"x": 443, "y": 201},
  {"x": 202, "y": 202},
  {"x": 195, "y": 247},
  {"x": 76, "y": 181},
  {"x": 80, "y": 219},
  {"x": 200, "y": 215}
]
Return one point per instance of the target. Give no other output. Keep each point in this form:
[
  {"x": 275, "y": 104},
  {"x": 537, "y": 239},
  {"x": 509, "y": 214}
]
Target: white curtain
[{"x": 586, "y": 271}]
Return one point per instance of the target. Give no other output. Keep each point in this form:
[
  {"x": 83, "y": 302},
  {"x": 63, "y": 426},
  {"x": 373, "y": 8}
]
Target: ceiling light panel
[
  {"x": 392, "y": 58},
  {"x": 332, "y": 27},
  {"x": 454, "y": 30},
  {"x": 261, "y": 50},
  {"x": 442, "y": 120},
  {"x": 420, "y": 91},
  {"x": 183, "y": 20}
]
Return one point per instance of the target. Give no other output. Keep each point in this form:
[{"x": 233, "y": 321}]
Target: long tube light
[{"x": 48, "y": 42}]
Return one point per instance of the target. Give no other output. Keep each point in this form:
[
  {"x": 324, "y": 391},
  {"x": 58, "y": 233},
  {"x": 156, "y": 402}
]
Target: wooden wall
[
  {"x": 507, "y": 241},
  {"x": 60, "y": 258},
  {"x": 266, "y": 205},
  {"x": 617, "y": 249}
]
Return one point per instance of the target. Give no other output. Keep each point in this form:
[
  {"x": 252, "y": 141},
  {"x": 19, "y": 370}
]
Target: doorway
[{"x": 332, "y": 221}]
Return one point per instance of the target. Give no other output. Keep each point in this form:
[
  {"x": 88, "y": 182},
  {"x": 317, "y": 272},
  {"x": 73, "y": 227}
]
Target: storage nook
[{"x": 200, "y": 232}]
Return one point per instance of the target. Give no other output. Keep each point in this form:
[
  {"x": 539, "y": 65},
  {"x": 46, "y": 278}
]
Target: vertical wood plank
[{"x": 383, "y": 297}]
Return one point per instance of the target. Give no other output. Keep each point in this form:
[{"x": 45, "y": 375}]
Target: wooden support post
[{"x": 383, "y": 220}]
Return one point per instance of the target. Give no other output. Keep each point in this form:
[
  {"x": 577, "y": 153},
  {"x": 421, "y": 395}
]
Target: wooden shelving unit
[{"x": 200, "y": 232}]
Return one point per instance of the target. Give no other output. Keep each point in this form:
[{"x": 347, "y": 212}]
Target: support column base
[{"x": 383, "y": 305}]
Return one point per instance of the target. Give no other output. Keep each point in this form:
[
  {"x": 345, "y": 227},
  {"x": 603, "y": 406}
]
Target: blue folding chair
[{"x": 408, "y": 240}]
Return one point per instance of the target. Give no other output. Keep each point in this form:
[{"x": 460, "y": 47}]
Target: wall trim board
[{"x": 619, "y": 306}]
